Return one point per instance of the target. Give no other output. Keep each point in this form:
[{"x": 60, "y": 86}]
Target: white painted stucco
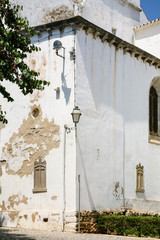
[
  {"x": 113, "y": 130},
  {"x": 107, "y": 14},
  {"x": 148, "y": 38},
  {"x": 111, "y": 88},
  {"x": 55, "y": 107}
]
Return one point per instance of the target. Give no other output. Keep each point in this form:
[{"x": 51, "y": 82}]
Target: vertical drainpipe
[
  {"x": 124, "y": 204},
  {"x": 64, "y": 148},
  {"x": 74, "y": 59},
  {"x": 124, "y": 147},
  {"x": 76, "y": 133}
]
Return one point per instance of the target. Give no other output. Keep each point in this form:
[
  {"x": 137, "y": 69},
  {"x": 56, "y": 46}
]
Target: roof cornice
[
  {"x": 132, "y": 5},
  {"x": 78, "y": 23}
]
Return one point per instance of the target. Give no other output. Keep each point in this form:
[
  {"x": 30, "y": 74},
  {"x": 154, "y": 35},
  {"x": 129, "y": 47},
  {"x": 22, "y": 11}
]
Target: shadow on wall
[
  {"x": 114, "y": 90},
  {"x": 85, "y": 178},
  {"x": 65, "y": 89},
  {"x": 13, "y": 235},
  {"x": 1, "y": 220}
]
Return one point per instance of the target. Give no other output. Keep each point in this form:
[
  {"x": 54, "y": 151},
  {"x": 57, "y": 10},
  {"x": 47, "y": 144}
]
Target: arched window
[
  {"x": 153, "y": 112},
  {"x": 40, "y": 175}
]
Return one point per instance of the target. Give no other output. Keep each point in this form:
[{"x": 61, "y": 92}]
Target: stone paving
[{"x": 25, "y": 234}]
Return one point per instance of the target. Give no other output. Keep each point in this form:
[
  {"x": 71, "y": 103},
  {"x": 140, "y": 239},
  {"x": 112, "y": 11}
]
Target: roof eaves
[
  {"x": 147, "y": 25},
  {"x": 78, "y": 23},
  {"x": 132, "y": 5}
]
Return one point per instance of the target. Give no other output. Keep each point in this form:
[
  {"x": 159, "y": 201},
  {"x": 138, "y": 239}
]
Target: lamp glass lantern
[{"x": 76, "y": 113}]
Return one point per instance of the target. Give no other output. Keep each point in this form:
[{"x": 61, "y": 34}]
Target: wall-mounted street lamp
[
  {"x": 76, "y": 113},
  {"x": 57, "y": 45}
]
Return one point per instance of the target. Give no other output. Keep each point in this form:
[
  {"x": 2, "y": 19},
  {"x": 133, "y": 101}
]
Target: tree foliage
[{"x": 15, "y": 44}]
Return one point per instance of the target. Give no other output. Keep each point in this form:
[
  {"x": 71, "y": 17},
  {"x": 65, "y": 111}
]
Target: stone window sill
[
  {"x": 154, "y": 139},
  {"x": 39, "y": 190}
]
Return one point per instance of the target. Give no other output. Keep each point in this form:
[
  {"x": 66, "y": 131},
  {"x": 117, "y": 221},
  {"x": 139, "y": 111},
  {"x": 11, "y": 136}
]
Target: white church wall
[
  {"x": 25, "y": 138},
  {"x": 143, "y": 18},
  {"x": 148, "y": 38},
  {"x": 121, "y": 15},
  {"x": 113, "y": 95},
  {"x": 113, "y": 14},
  {"x": 99, "y": 174}
]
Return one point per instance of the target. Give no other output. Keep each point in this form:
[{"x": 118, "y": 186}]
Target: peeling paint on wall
[
  {"x": 116, "y": 187},
  {"x": 118, "y": 191},
  {"x": 58, "y": 13},
  {"x": 13, "y": 215},
  {"x": 15, "y": 200},
  {"x": 35, "y": 137},
  {"x": 3, "y": 206},
  {"x": 12, "y": 201},
  {"x": 42, "y": 66},
  {"x": 26, "y": 216},
  {"x": 34, "y": 216},
  {"x": 38, "y": 62},
  {"x": 54, "y": 198},
  {"x": 35, "y": 96}
]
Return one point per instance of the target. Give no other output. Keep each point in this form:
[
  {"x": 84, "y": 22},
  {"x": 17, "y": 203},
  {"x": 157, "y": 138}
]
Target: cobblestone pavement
[{"x": 25, "y": 234}]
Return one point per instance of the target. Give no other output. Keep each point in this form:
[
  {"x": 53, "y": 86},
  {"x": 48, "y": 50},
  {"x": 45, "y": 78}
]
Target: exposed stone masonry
[{"x": 89, "y": 219}]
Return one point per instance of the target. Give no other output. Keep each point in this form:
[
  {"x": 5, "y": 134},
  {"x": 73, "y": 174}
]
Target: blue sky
[{"x": 151, "y": 8}]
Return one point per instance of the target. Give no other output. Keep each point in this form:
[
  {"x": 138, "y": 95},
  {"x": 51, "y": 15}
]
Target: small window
[
  {"x": 114, "y": 31},
  {"x": 153, "y": 112},
  {"x": 39, "y": 175},
  {"x": 139, "y": 178}
]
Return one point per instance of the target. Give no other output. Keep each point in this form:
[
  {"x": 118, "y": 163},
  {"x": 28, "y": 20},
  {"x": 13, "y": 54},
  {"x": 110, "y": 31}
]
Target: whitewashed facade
[
  {"x": 109, "y": 79},
  {"x": 147, "y": 37},
  {"x": 25, "y": 138},
  {"x": 121, "y": 15}
]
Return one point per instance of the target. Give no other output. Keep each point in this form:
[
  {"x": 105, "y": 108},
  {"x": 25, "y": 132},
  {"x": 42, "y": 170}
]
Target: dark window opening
[{"x": 153, "y": 112}]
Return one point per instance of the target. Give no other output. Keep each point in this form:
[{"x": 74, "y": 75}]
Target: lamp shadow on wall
[{"x": 65, "y": 89}]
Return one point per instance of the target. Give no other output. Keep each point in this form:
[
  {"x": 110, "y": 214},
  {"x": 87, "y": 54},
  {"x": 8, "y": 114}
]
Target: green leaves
[
  {"x": 129, "y": 225},
  {"x": 15, "y": 43}
]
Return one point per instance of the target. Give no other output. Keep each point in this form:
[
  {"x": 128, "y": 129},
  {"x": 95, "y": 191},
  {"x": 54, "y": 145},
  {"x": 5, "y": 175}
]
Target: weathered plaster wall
[
  {"x": 113, "y": 95},
  {"x": 113, "y": 14},
  {"x": 148, "y": 38},
  {"x": 44, "y": 11},
  {"x": 120, "y": 14},
  {"x": 36, "y": 128}
]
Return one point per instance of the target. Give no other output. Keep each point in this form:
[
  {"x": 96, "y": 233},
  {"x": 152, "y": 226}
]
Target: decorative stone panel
[{"x": 140, "y": 178}]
